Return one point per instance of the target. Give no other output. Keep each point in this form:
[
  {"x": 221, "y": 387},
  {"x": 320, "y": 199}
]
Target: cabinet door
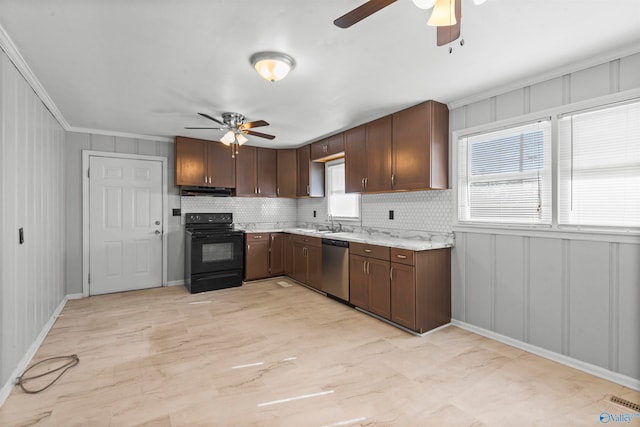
[
  {"x": 246, "y": 171},
  {"x": 221, "y": 167},
  {"x": 286, "y": 173},
  {"x": 257, "y": 256},
  {"x": 355, "y": 159},
  {"x": 288, "y": 255},
  {"x": 403, "y": 295},
  {"x": 299, "y": 272},
  {"x": 335, "y": 144},
  {"x": 276, "y": 254},
  {"x": 378, "y": 155},
  {"x": 379, "y": 287},
  {"x": 420, "y": 147},
  {"x": 266, "y": 172},
  {"x": 319, "y": 149},
  {"x": 190, "y": 162},
  {"x": 314, "y": 267},
  {"x": 358, "y": 282},
  {"x": 304, "y": 154}
]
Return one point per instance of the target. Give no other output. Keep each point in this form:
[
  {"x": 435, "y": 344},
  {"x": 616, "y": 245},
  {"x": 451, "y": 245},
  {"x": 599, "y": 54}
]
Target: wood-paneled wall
[
  {"x": 576, "y": 295},
  {"x": 32, "y": 197}
]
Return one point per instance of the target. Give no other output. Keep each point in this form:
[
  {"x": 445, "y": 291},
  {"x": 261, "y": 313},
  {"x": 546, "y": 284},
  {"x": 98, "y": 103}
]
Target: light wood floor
[{"x": 268, "y": 355}]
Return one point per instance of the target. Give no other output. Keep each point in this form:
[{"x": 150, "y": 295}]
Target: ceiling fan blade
[
  {"x": 204, "y": 128},
  {"x": 452, "y": 32},
  {"x": 256, "y": 124},
  {"x": 361, "y": 12},
  {"x": 259, "y": 134},
  {"x": 212, "y": 118}
]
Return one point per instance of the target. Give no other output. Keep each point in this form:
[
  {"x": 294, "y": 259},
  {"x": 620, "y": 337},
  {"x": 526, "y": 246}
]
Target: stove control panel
[{"x": 209, "y": 218}]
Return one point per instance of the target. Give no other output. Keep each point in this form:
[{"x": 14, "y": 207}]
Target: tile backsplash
[
  {"x": 413, "y": 211},
  {"x": 248, "y": 212}
]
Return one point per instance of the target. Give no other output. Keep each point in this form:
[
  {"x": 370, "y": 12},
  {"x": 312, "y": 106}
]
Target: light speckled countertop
[{"x": 414, "y": 243}]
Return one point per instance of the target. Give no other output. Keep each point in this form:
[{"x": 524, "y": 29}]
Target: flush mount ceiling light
[{"x": 272, "y": 66}]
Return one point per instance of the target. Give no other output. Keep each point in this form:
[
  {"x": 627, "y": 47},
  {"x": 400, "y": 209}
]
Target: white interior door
[{"x": 125, "y": 224}]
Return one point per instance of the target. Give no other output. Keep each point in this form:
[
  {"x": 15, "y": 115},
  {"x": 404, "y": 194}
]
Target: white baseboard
[
  {"x": 75, "y": 296},
  {"x": 594, "y": 370},
  {"x": 175, "y": 283},
  {"x": 26, "y": 359}
]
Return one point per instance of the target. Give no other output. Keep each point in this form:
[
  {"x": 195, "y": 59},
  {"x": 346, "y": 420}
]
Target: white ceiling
[{"x": 146, "y": 67}]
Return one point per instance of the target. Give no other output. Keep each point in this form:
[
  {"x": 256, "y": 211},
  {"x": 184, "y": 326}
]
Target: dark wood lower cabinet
[
  {"x": 256, "y": 260},
  {"x": 403, "y": 295},
  {"x": 264, "y": 255},
  {"x": 369, "y": 279},
  {"x": 358, "y": 281},
  {"x": 379, "y": 287},
  {"x": 421, "y": 288},
  {"x": 276, "y": 254},
  {"x": 307, "y": 260}
]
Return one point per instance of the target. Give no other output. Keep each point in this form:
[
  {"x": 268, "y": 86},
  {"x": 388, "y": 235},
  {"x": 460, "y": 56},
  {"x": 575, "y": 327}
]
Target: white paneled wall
[
  {"x": 32, "y": 194},
  {"x": 577, "y": 295}
]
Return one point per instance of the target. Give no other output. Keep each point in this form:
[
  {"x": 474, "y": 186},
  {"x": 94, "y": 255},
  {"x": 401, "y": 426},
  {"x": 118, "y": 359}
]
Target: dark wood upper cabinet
[
  {"x": 246, "y": 175},
  {"x": 421, "y": 147},
  {"x": 266, "y": 164},
  {"x": 286, "y": 180},
  {"x": 355, "y": 159},
  {"x": 310, "y": 174},
  {"x": 368, "y": 157},
  {"x": 204, "y": 163},
  {"x": 328, "y": 149},
  {"x": 256, "y": 172},
  {"x": 379, "y": 155}
]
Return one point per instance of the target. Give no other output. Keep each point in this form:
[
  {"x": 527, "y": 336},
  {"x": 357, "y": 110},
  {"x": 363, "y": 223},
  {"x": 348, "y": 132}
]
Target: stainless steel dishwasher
[{"x": 335, "y": 268}]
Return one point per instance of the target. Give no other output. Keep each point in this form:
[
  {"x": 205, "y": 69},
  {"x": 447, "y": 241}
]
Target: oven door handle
[{"x": 214, "y": 236}]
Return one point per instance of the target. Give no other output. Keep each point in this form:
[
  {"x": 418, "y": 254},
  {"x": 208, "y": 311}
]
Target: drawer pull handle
[
  {"x": 391, "y": 274},
  {"x": 401, "y": 256},
  {"x": 368, "y": 251},
  {"x": 257, "y": 237}
]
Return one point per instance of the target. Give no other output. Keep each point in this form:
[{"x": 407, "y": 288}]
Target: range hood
[{"x": 206, "y": 191}]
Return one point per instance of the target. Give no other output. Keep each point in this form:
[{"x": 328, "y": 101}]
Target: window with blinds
[
  {"x": 504, "y": 176},
  {"x": 599, "y": 167}
]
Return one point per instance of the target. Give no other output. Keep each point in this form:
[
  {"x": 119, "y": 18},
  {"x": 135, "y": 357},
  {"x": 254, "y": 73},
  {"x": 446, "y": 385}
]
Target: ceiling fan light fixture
[
  {"x": 424, "y": 4},
  {"x": 444, "y": 14},
  {"x": 241, "y": 138},
  {"x": 272, "y": 66},
  {"x": 478, "y": 2},
  {"x": 228, "y": 138}
]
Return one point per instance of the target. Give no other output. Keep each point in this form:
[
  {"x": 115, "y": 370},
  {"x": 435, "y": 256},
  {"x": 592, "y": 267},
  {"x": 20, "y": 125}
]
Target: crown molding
[
  {"x": 7, "y": 45},
  {"x": 119, "y": 134},
  {"x": 592, "y": 61}
]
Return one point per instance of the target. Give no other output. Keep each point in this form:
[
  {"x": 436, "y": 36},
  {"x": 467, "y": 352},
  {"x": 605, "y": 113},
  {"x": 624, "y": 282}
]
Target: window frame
[
  {"x": 328, "y": 165},
  {"x": 505, "y": 129},
  {"x": 604, "y": 234}
]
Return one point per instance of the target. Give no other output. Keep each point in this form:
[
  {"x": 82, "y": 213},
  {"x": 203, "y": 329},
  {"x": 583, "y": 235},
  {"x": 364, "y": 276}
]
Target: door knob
[
  {"x": 157, "y": 231},
  {"x": 157, "y": 222}
]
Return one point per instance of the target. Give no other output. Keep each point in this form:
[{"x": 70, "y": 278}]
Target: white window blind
[
  {"x": 505, "y": 176},
  {"x": 599, "y": 169},
  {"x": 341, "y": 204}
]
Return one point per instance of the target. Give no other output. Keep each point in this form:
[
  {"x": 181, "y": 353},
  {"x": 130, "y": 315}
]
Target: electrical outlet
[
  {"x": 390, "y": 214},
  {"x": 314, "y": 214},
  {"x": 177, "y": 212}
]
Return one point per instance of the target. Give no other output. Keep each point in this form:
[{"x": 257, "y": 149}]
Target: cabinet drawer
[
  {"x": 371, "y": 251},
  {"x": 403, "y": 256},
  {"x": 307, "y": 240},
  {"x": 256, "y": 236}
]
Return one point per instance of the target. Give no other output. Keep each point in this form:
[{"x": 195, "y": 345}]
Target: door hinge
[
  {"x": 89, "y": 278},
  {"x": 88, "y": 173}
]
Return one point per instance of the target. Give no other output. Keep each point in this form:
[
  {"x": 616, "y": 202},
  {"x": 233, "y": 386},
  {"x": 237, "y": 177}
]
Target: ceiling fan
[
  {"x": 446, "y": 16},
  {"x": 236, "y": 128}
]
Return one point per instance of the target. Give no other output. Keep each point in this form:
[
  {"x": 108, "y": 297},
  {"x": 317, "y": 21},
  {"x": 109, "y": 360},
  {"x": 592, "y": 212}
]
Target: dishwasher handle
[{"x": 332, "y": 242}]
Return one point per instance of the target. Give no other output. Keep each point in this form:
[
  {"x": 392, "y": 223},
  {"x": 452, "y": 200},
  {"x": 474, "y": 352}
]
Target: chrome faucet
[{"x": 331, "y": 222}]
